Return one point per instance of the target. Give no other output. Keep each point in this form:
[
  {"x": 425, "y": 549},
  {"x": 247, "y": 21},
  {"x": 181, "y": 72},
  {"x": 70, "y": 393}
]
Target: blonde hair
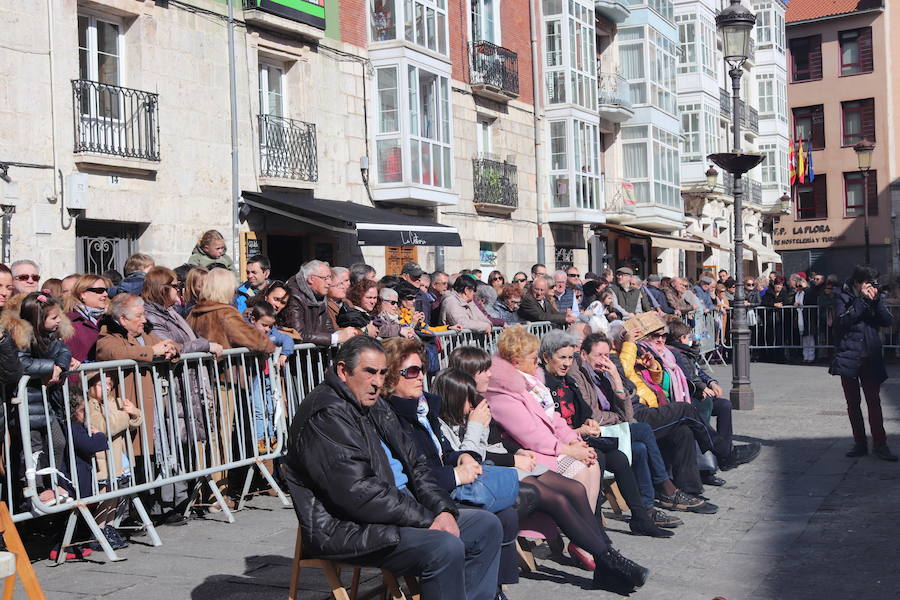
[
  {"x": 193, "y": 284},
  {"x": 138, "y": 262},
  {"x": 219, "y": 286},
  {"x": 209, "y": 237},
  {"x": 515, "y": 343},
  {"x": 81, "y": 285}
]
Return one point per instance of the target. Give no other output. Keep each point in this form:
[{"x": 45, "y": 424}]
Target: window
[
  {"x": 484, "y": 139},
  {"x": 769, "y": 166},
  {"x": 485, "y": 22},
  {"x": 570, "y": 55},
  {"x": 857, "y": 190},
  {"x": 488, "y": 252},
  {"x": 424, "y": 22},
  {"x": 387, "y": 140},
  {"x": 631, "y": 60},
  {"x": 650, "y": 161},
  {"x": 856, "y": 51},
  {"x": 429, "y": 125},
  {"x": 99, "y": 59},
  {"x": 806, "y": 58},
  {"x": 558, "y": 145},
  {"x": 575, "y": 170},
  {"x": 271, "y": 90},
  {"x": 809, "y": 125},
  {"x": 691, "y": 150},
  {"x": 652, "y": 82},
  {"x": 858, "y": 119},
  {"x": 766, "y": 93},
  {"x": 812, "y": 200},
  {"x": 763, "y": 26}
]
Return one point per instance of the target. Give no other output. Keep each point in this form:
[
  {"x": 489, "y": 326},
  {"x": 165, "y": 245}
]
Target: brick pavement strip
[{"x": 801, "y": 522}]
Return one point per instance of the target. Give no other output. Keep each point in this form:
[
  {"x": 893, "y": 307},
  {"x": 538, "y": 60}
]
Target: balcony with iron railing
[
  {"x": 287, "y": 149},
  {"x": 114, "y": 121},
  {"x": 495, "y": 186},
  {"x": 620, "y": 199},
  {"x": 614, "y": 97},
  {"x": 725, "y": 103},
  {"x": 493, "y": 71}
]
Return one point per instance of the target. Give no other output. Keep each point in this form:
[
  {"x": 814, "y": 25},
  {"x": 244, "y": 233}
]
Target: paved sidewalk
[{"x": 801, "y": 522}]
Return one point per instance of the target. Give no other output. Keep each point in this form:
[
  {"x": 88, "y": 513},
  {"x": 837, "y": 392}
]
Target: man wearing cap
[
  {"x": 628, "y": 298},
  {"x": 657, "y": 296},
  {"x": 701, "y": 290},
  {"x": 411, "y": 273}
]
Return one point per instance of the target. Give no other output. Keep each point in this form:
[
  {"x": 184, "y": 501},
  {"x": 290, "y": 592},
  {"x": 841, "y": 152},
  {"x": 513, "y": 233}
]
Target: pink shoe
[{"x": 581, "y": 557}]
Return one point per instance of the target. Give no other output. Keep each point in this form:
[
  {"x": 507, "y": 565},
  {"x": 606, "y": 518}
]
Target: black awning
[{"x": 372, "y": 226}]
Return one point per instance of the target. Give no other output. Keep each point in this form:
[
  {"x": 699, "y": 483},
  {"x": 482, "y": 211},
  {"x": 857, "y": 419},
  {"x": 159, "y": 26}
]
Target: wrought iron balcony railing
[
  {"x": 114, "y": 120},
  {"x": 725, "y": 103},
  {"x": 619, "y": 196},
  {"x": 495, "y": 183},
  {"x": 287, "y": 149},
  {"x": 494, "y": 67}
]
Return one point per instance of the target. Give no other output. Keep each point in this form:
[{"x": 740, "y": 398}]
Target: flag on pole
[
  {"x": 792, "y": 164},
  {"x": 809, "y": 165},
  {"x": 801, "y": 163}
]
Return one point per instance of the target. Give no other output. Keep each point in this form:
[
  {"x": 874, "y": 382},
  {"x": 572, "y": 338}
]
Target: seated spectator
[
  {"x": 307, "y": 308},
  {"x": 210, "y": 250},
  {"x": 362, "y": 298},
  {"x": 259, "y": 268},
  {"x": 26, "y": 276},
  {"x": 388, "y": 318},
  {"x": 84, "y": 307},
  {"x": 507, "y": 304},
  {"x": 364, "y": 493},
  {"x": 136, "y": 268},
  {"x": 557, "y": 357},
  {"x": 536, "y": 305},
  {"x": 337, "y": 292},
  {"x": 193, "y": 288},
  {"x": 419, "y": 412},
  {"x": 458, "y": 307}
]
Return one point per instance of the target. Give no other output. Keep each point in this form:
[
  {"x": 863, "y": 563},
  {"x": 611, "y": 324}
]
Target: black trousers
[{"x": 676, "y": 427}]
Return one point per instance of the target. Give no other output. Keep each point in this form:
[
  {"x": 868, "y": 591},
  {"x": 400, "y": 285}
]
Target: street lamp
[
  {"x": 864, "y": 150},
  {"x": 712, "y": 177},
  {"x": 736, "y": 24}
]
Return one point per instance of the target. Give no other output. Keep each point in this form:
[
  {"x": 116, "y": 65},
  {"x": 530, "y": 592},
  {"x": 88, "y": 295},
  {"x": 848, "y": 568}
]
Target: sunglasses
[
  {"x": 97, "y": 290},
  {"x": 391, "y": 302},
  {"x": 412, "y": 372},
  {"x": 493, "y": 279},
  {"x": 573, "y": 275},
  {"x": 519, "y": 280},
  {"x": 657, "y": 334},
  {"x": 34, "y": 278}
]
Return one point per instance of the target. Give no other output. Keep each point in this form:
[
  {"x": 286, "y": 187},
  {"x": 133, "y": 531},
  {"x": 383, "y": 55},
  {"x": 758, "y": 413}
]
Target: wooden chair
[
  {"x": 332, "y": 569},
  {"x": 22, "y": 566}
]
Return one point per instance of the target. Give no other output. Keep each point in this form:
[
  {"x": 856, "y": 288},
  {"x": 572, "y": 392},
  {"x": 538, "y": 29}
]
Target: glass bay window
[{"x": 420, "y": 22}]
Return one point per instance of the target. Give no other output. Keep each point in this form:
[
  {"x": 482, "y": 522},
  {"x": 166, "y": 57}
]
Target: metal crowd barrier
[{"x": 202, "y": 417}]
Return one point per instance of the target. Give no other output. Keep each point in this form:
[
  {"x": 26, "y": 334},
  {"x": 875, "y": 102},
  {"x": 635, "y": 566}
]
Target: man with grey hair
[
  {"x": 564, "y": 293},
  {"x": 536, "y": 304},
  {"x": 337, "y": 292},
  {"x": 26, "y": 276},
  {"x": 307, "y": 307}
]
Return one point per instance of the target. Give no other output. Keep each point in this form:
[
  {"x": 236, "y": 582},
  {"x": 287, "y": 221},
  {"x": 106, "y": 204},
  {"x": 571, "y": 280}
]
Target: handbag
[{"x": 495, "y": 489}]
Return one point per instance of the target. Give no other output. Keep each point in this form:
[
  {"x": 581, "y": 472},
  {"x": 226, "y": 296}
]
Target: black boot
[
  {"x": 641, "y": 524},
  {"x": 613, "y": 569}
]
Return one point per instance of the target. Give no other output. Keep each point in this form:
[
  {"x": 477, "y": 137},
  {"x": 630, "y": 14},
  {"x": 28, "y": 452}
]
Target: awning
[
  {"x": 762, "y": 253},
  {"x": 709, "y": 241},
  {"x": 658, "y": 240},
  {"x": 372, "y": 226}
]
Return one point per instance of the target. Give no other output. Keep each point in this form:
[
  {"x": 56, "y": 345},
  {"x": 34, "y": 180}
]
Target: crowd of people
[{"x": 391, "y": 458}]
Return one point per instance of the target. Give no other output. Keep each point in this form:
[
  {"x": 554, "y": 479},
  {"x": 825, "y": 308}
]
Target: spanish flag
[
  {"x": 801, "y": 163},
  {"x": 792, "y": 164}
]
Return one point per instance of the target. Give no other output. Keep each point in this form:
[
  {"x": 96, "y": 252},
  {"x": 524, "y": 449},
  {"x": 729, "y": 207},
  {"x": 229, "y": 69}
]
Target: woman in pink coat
[{"x": 524, "y": 407}]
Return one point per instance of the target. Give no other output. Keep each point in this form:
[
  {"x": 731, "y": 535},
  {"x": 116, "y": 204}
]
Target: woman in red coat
[{"x": 84, "y": 307}]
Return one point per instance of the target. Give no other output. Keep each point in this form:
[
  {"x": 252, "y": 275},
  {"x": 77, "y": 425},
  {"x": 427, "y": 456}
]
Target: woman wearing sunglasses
[
  {"x": 388, "y": 318},
  {"x": 84, "y": 306},
  {"x": 497, "y": 281},
  {"x": 419, "y": 412}
]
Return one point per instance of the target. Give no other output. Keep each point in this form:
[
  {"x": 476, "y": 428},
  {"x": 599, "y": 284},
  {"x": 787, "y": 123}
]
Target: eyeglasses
[
  {"x": 493, "y": 279},
  {"x": 325, "y": 277},
  {"x": 749, "y": 284},
  {"x": 34, "y": 278},
  {"x": 573, "y": 275},
  {"x": 657, "y": 334},
  {"x": 412, "y": 372},
  {"x": 519, "y": 280},
  {"x": 97, "y": 290},
  {"x": 391, "y": 302}
]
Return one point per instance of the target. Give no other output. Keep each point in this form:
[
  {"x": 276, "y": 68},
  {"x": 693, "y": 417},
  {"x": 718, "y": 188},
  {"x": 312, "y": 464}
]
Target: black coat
[
  {"x": 442, "y": 464},
  {"x": 689, "y": 362},
  {"x": 39, "y": 367},
  {"x": 530, "y": 310},
  {"x": 856, "y": 336},
  {"x": 10, "y": 372},
  {"x": 345, "y": 496},
  {"x": 582, "y": 409}
]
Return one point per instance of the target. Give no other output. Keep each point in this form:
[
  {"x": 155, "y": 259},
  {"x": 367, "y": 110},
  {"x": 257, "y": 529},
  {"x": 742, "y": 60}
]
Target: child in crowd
[
  {"x": 121, "y": 416},
  {"x": 210, "y": 249},
  {"x": 262, "y": 316},
  {"x": 38, "y": 327},
  {"x": 136, "y": 268}
]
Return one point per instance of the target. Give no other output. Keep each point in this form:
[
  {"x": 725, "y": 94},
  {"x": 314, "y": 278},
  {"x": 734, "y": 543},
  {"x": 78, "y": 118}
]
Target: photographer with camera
[{"x": 860, "y": 311}]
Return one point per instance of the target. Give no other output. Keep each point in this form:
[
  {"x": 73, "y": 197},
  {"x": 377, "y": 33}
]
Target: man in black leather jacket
[{"x": 364, "y": 494}]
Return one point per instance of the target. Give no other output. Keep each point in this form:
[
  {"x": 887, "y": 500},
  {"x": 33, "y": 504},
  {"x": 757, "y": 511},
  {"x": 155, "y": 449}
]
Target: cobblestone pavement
[{"x": 801, "y": 522}]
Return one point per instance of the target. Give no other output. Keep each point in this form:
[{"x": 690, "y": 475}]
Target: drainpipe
[
  {"x": 235, "y": 175},
  {"x": 536, "y": 92}
]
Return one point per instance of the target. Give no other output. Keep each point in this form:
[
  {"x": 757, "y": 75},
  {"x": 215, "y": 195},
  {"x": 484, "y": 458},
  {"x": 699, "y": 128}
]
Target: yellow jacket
[
  {"x": 406, "y": 316},
  {"x": 628, "y": 356}
]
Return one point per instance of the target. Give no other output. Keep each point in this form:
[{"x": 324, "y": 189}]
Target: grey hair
[
  {"x": 119, "y": 308},
  {"x": 338, "y": 271},
  {"x": 388, "y": 294},
  {"x": 616, "y": 331},
  {"x": 486, "y": 293},
  {"x": 549, "y": 280},
  {"x": 24, "y": 261},
  {"x": 559, "y": 272},
  {"x": 310, "y": 268},
  {"x": 554, "y": 340}
]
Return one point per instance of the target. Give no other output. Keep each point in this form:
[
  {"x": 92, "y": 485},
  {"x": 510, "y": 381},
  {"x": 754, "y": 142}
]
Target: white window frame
[
  {"x": 766, "y": 94},
  {"x": 264, "y": 70},
  {"x": 405, "y": 29},
  {"x": 576, "y": 72},
  {"x": 91, "y": 38},
  {"x": 484, "y": 136},
  {"x": 495, "y": 9}
]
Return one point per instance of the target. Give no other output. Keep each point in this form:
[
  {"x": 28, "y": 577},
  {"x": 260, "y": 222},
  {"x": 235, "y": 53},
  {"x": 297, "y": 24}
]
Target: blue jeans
[
  {"x": 646, "y": 461},
  {"x": 263, "y": 408},
  {"x": 448, "y": 567}
]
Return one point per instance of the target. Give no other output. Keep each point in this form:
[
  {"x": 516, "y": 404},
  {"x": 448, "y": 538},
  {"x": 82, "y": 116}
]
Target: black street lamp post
[
  {"x": 864, "y": 150},
  {"x": 736, "y": 25}
]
